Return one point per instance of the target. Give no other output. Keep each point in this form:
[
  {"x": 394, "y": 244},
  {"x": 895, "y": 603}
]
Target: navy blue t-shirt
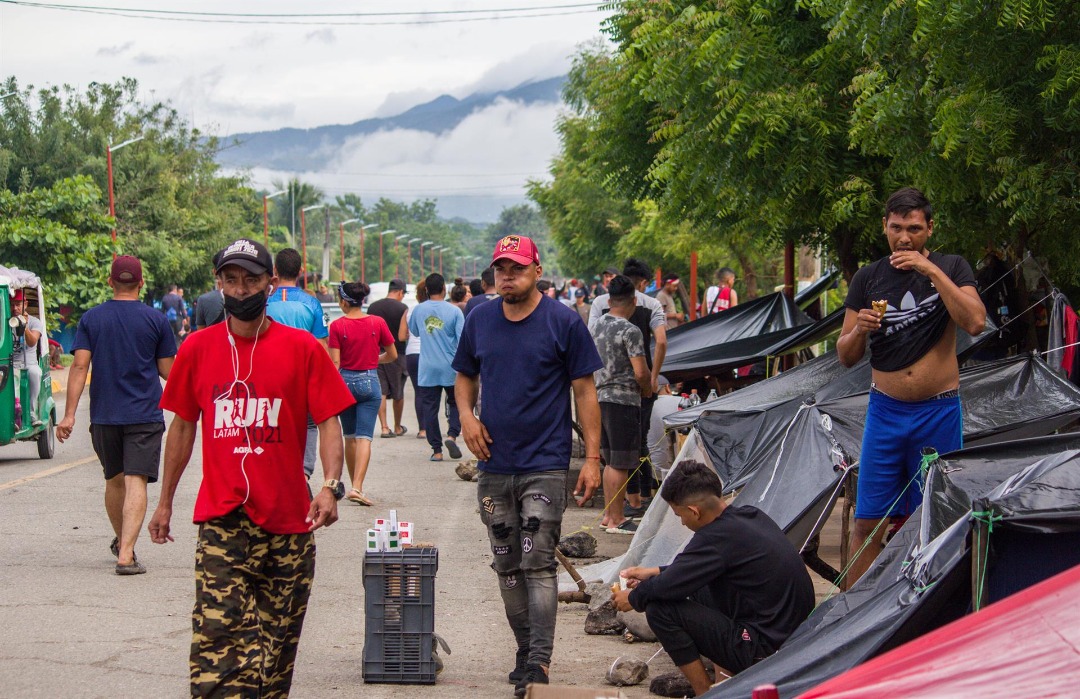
[
  {"x": 125, "y": 339},
  {"x": 525, "y": 369}
]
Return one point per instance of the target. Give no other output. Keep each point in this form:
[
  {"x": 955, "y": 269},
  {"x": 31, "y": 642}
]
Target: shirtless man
[{"x": 914, "y": 393}]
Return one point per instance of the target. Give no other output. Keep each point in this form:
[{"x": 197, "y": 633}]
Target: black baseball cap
[{"x": 248, "y": 254}]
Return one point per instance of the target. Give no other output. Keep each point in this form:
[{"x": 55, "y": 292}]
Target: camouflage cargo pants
[{"x": 251, "y": 593}]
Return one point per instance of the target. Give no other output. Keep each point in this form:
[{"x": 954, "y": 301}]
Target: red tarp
[{"x": 1027, "y": 645}]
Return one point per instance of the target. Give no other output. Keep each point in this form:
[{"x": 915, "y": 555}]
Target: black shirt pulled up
[
  {"x": 917, "y": 317},
  {"x": 753, "y": 573}
]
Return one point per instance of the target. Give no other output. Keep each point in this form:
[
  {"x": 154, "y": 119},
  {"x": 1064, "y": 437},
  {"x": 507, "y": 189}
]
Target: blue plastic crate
[{"x": 399, "y": 616}]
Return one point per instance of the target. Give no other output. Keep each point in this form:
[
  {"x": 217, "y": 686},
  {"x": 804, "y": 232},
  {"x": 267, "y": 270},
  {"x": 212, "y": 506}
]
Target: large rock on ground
[
  {"x": 578, "y": 545},
  {"x": 467, "y": 471},
  {"x": 636, "y": 624},
  {"x": 601, "y": 619},
  {"x": 671, "y": 684},
  {"x": 625, "y": 672}
]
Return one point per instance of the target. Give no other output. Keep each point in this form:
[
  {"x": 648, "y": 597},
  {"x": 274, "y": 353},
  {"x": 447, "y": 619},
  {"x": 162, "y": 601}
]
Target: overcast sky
[{"x": 228, "y": 77}]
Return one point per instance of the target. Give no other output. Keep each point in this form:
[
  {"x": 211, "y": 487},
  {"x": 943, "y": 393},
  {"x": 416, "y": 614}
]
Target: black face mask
[{"x": 248, "y": 309}]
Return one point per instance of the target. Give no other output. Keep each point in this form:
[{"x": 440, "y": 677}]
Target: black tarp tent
[
  {"x": 795, "y": 476},
  {"x": 780, "y": 447},
  {"x": 923, "y": 579},
  {"x": 709, "y": 360}
]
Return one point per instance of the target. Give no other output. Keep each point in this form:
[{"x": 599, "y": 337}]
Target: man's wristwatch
[{"x": 336, "y": 487}]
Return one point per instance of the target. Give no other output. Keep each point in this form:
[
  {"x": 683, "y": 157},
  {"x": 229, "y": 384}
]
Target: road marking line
[{"x": 47, "y": 472}]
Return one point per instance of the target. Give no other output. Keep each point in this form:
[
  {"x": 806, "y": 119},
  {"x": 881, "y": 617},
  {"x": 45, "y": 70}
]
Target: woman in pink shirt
[{"x": 358, "y": 343}]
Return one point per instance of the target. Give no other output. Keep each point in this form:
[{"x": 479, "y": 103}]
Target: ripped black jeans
[{"x": 523, "y": 515}]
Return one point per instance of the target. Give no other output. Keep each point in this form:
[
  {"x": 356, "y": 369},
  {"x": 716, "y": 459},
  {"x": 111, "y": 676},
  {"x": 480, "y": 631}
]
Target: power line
[
  {"x": 281, "y": 15},
  {"x": 408, "y": 175},
  {"x": 427, "y": 16}
]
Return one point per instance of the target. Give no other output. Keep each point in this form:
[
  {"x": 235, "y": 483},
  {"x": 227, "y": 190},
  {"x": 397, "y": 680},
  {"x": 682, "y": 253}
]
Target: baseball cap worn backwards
[
  {"x": 518, "y": 248},
  {"x": 247, "y": 254},
  {"x": 126, "y": 270}
]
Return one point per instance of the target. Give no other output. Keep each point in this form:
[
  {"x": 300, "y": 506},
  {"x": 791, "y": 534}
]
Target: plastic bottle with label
[{"x": 684, "y": 401}]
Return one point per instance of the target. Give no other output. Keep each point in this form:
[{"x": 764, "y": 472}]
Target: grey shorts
[
  {"x": 392, "y": 376},
  {"x": 620, "y": 435},
  {"x": 133, "y": 450}
]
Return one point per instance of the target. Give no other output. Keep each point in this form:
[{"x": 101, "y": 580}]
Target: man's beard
[{"x": 513, "y": 299}]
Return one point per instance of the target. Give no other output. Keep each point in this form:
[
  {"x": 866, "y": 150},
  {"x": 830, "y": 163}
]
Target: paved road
[{"x": 71, "y": 628}]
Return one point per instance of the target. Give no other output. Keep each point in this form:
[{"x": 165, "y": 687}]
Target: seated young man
[{"x": 734, "y": 594}]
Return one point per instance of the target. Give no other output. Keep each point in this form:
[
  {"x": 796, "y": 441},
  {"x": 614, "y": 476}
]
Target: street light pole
[
  {"x": 383, "y": 234},
  {"x": 303, "y": 238},
  {"x": 422, "y": 244},
  {"x": 408, "y": 254},
  {"x": 363, "y": 252},
  {"x": 342, "y": 224},
  {"x": 397, "y": 255},
  {"x": 266, "y": 215},
  {"x": 108, "y": 167}
]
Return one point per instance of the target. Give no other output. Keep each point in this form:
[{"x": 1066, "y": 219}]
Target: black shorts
[
  {"x": 392, "y": 377},
  {"x": 620, "y": 435},
  {"x": 133, "y": 450}
]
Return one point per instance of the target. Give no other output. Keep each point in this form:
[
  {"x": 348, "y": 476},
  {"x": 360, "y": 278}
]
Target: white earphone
[{"x": 234, "y": 355}]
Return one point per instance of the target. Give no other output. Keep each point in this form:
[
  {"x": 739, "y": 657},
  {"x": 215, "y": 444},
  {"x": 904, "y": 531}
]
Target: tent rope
[
  {"x": 988, "y": 518},
  {"x": 924, "y": 466}
]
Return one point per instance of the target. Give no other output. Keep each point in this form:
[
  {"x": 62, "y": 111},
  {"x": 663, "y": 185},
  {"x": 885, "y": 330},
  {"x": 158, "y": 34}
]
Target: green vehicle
[{"x": 19, "y": 420}]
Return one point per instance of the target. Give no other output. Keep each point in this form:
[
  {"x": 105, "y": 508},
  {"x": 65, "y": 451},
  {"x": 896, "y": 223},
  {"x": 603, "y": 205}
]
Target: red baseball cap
[
  {"x": 126, "y": 270},
  {"x": 518, "y": 248}
]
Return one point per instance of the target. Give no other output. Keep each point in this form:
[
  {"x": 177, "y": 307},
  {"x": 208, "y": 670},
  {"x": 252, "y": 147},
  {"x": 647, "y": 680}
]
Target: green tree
[
  {"x": 174, "y": 208},
  {"x": 978, "y": 103},
  {"x": 61, "y": 234}
]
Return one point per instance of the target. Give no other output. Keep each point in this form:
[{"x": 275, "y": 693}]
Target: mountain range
[{"x": 307, "y": 150}]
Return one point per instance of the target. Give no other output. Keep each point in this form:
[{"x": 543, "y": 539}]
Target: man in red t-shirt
[{"x": 251, "y": 382}]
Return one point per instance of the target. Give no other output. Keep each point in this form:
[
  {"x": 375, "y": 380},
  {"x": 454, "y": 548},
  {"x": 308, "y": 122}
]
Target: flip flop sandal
[
  {"x": 359, "y": 498},
  {"x": 402, "y": 431},
  {"x": 421, "y": 435},
  {"x": 388, "y": 434},
  {"x": 452, "y": 447},
  {"x": 435, "y": 457},
  {"x": 115, "y": 546}
]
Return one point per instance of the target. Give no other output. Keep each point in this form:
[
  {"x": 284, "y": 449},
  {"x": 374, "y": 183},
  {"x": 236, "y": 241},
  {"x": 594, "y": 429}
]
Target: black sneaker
[
  {"x": 534, "y": 675},
  {"x": 633, "y": 512},
  {"x": 521, "y": 665}
]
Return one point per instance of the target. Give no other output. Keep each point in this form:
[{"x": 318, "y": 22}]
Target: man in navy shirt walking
[
  {"x": 130, "y": 345},
  {"x": 529, "y": 352}
]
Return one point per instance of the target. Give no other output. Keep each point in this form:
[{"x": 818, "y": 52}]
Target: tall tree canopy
[
  {"x": 758, "y": 121},
  {"x": 174, "y": 208}
]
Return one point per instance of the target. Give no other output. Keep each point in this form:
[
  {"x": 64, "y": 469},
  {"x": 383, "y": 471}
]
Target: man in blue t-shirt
[
  {"x": 439, "y": 324},
  {"x": 290, "y": 305},
  {"x": 529, "y": 352},
  {"x": 130, "y": 345}
]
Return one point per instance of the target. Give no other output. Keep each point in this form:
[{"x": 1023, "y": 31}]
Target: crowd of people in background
[{"x": 275, "y": 386}]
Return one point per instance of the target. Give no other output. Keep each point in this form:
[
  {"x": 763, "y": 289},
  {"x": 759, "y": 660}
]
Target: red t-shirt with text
[
  {"x": 285, "y": 375},
  {"x": 360, "y": 341}
]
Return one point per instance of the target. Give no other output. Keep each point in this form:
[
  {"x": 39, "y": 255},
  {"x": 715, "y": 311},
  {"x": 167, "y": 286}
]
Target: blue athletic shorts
[{"x": 895, "y": 433}]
